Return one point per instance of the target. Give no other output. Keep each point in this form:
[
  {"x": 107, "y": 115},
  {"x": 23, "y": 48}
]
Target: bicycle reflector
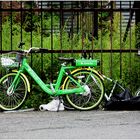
[{"x": 87, "y": 62}]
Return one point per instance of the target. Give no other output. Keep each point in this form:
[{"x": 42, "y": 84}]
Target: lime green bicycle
[{"x": 82, "y": 86}]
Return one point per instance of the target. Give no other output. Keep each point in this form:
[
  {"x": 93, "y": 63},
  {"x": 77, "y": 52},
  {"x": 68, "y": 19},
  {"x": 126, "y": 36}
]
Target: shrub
[{"x": 43, "y": 64}]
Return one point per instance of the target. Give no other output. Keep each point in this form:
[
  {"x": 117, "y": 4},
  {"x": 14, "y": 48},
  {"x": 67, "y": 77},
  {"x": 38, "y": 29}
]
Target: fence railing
[{"x": 69, "y": 28}]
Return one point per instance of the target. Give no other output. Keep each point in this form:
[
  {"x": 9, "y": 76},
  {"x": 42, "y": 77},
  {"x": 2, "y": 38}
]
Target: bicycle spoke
[
  {"x": 93, "y": 93},
  {"x": 12, "y": 98}
]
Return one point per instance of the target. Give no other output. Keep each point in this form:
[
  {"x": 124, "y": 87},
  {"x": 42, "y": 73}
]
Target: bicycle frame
[
  {"x": 108, "y": 97},
  {"x": 53, "y": 89}
]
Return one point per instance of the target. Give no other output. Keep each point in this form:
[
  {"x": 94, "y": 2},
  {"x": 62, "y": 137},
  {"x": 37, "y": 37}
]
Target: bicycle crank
[{"x": 87, "y": 90}]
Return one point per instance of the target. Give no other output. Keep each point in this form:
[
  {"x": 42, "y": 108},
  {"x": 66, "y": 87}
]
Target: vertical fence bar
[
  {"x": 93, "y": 26},
  {"x": 96, "y": 20},
  {"x": 130, "y": 56},
  {"x": 137, "y": 22},
  {"x": 0, "y": 33},
  {"x": 82, "y": 28},
  {"x": 77, "y": 14},
  {"x": 101, "y": 41},
  {"x": 31, "y": 34},
  {"x": 31, "y": 25},
  {"x": 92, "y": 33},
  {"x": 0, "y": 26},
  {"x": 21, "y": 21},
  {"x": 52, "y": 45},
  {"x": 42, "y": 74},
  {"x": 72, "y": 29},
  {"x": 61, "y": 25},
  {"x": 111, "y": 33},
  {"x": 121, "y": 41},
  {"x": 11, "y": 23}
]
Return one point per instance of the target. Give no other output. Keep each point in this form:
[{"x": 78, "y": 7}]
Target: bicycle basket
[{"x": 8, "y": 61}]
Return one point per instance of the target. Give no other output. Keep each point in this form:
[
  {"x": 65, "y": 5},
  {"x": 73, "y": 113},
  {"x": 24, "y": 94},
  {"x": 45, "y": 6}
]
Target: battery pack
[{"x": 87, "y": 62}]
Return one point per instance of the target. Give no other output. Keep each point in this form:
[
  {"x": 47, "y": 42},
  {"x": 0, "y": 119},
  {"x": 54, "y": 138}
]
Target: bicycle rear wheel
[
  {"x": 13, "y": 98},
  {"x": 93, "y": 85}
]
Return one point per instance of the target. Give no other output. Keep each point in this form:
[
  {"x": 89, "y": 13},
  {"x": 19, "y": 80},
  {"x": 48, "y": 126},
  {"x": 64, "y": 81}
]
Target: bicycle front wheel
[
  {"x": 94, "y": 89},
  {"x": 12, "y": 95}
]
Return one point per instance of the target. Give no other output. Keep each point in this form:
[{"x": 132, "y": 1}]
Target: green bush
[{"x": 43, "y": 64}]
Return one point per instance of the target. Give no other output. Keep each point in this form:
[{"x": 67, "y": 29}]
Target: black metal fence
[{"x": 107, "y": 30}]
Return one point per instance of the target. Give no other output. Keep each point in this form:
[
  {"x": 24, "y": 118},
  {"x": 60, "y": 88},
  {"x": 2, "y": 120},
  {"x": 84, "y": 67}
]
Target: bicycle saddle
[
  {"x": 69, "y": 60},
  {"x": 66, "y": 59}
]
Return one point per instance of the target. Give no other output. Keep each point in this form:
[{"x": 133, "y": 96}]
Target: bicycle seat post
[{"x": 84, "y": 55}]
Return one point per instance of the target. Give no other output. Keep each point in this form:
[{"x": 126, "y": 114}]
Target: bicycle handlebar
[
  {"x": 32, "y": 49},
  {"x": 35, "y": 49}
]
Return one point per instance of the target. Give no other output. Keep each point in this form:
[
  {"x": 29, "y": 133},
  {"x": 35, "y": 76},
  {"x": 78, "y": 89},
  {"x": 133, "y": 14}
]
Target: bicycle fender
[
  {"x": 82, "y": 69},
  {"x": 90, "y": 70},
  {"x": 26, "y": 79},
  {"x": 97, "y": 73}
]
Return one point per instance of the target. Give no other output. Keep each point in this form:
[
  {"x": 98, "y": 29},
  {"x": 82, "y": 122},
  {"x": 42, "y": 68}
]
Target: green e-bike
[{"x": 82, "y": 86}]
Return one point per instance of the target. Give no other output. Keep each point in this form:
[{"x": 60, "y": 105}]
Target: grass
[{"x": 124, "y": 67}]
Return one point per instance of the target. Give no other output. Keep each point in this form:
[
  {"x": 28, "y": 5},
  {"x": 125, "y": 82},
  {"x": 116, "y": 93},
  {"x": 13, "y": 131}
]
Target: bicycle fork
[
  {"x": 77, "y": 80},
  {"x": 112, "y": 90},
  {"x": 111, "y": 93},
  {"x": 13, "y": 85}
]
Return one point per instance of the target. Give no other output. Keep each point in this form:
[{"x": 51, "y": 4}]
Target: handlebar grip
[
  {"x": 38, "y": 50},
  {"x": 43, "y": 50}
]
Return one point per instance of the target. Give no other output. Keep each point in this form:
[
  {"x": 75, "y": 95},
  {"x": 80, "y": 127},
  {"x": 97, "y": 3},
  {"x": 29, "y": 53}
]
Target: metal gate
[{"x": 105, "y": 30}]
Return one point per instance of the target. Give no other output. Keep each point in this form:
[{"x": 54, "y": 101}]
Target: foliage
[
  {"x": 138, "y": 36},
  {"x": 124, "y": 67},
  {"x": 116, "y": 65}
]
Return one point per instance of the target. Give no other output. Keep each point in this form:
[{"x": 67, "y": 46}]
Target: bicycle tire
[
  {"x": 85, "y": 101},
  {"x": 137, "y": 93},
  {"x": 11, "y": 100}
]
